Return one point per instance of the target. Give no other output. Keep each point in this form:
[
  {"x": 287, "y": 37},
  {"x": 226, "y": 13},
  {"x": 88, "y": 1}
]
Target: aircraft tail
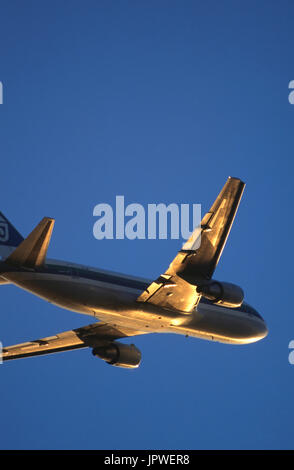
[
  {"x": 32, "y": 251},
  {"x": 10, "y": 238}
]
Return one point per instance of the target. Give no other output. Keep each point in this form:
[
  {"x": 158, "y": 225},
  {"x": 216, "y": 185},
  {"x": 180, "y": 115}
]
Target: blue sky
[{"x": 159, "y": 102}]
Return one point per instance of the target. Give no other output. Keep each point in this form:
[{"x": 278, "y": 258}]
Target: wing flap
[{"x": 171, "y": 292}]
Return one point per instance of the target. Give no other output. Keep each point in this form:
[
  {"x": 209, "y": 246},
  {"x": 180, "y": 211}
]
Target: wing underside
[
  {"x": 91, "y": 336},
  {"x": 197, "y": 260}
]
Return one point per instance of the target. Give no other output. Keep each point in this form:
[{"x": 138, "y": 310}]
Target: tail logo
[{"x": 4, "y": 232}]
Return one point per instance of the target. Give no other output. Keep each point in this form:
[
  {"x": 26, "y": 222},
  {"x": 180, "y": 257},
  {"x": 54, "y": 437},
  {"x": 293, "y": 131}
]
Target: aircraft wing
[
  {"x": 88, "y": 336},
  {"x": 197, "y": 260}
]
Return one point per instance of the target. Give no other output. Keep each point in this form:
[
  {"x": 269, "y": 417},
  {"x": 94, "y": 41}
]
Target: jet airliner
[{"x": 185, "y": 299}]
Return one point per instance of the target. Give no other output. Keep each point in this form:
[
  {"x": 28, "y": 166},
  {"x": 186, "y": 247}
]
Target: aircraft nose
[
  {"x": 257, "y": 331},
  {"x": 259, "y": 328},
  {"x": 263, "y": 330}
]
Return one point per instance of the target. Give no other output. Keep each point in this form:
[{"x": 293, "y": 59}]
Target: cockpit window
[
  {"x": 243, "y": 308},
  {"x": 248, "y": 309}
]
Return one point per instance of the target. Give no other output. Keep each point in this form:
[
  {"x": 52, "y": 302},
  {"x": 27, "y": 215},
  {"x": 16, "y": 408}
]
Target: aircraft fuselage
[{"x": 111, "y": 297}]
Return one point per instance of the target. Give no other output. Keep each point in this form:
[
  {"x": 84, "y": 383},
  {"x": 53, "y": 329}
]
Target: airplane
[{"x": 185, "y": 299}]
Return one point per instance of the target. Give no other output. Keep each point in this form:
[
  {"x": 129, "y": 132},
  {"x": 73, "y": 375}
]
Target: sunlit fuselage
[{"x": 111, "y": 297}]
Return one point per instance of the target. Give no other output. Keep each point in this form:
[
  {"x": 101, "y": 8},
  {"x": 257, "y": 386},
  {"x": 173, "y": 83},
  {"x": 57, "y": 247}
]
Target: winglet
[{"x": 32, "y": 251}]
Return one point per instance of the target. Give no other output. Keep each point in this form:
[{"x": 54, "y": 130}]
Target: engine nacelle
[
  {"x": 222, "y": 293},
  {"x": 118, "y": 354}
]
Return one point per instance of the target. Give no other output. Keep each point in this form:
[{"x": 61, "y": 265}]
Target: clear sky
[{"x": 159, "y": 101}]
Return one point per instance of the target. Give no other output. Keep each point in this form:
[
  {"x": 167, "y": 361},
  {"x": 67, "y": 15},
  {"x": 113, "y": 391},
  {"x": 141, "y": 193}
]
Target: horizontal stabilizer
[{"x": 32, "y": 251}]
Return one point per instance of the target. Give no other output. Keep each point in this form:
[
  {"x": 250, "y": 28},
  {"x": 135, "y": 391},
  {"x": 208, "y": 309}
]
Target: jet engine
[
  {"x": 222, "y": 293},
  {"x": 118, "y": 354}
]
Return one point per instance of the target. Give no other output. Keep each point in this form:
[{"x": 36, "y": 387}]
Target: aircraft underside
[
  {"x": 184, "y": 299},
  {"x": 118, "y": 306}
]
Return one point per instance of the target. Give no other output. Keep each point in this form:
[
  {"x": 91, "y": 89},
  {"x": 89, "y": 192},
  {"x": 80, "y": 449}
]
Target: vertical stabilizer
[{"x": 10, "y": 238}]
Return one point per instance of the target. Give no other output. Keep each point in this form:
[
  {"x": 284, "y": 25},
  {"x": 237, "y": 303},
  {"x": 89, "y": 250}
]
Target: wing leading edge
[
  {"x": 93, "y": 335},
  {"x": 176, "y": 288}
]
